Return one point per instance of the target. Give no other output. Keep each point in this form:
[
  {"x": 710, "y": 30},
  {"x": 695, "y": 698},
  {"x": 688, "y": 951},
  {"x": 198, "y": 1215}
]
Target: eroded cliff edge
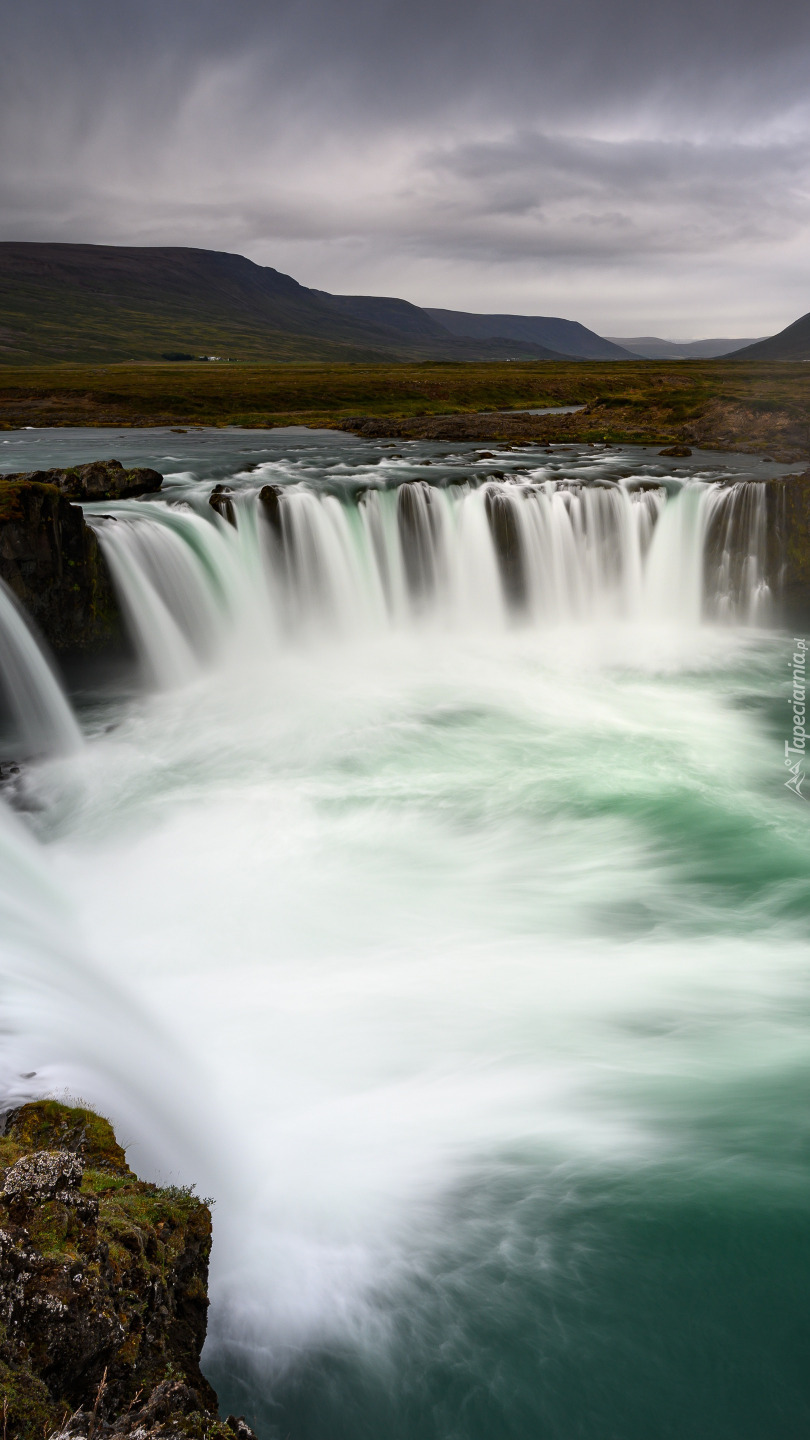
[
  {"x": 50, "y": 558},
  {"x": 103, "y": 1290}
]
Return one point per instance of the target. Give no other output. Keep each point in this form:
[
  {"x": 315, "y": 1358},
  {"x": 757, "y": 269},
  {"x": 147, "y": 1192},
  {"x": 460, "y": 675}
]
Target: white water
[
  {"x": 43, "y": 718},
  {"x": 415, "y": 871},
  {"x": 459, "y": 556}
]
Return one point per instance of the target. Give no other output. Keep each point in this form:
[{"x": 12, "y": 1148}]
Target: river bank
[{"x": 760, "y": 408}]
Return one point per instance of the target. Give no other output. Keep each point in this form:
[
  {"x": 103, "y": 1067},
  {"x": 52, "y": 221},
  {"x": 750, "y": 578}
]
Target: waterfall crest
[{"x": 288, "y": 559}]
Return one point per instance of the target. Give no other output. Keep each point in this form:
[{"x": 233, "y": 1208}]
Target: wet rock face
[
  {"x": 787, "y": 558},
  {"x": 270, "y": 501},
  {"x": 51, "y": 560},
  {"x": 789, "y": 528},
  {"x": 99, "y": 480},
  {"x": 221, "y": 502},
  {"x": 103, "y": 1289}
]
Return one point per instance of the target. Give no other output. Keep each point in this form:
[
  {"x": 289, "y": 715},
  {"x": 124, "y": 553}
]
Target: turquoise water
[{"x": 466, "y": 966}]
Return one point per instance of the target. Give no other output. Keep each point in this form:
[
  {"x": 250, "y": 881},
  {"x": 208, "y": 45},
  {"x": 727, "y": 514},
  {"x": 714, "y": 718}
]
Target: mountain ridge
[
  {"x": 792, "y": 343},
  {"x": 653, "y": 347},
  {"x": 106, "y": 303},
  {"x": 570, "y": 337}
]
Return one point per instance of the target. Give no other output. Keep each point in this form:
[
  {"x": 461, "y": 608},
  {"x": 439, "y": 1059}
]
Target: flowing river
[{"x": 431, "y": 896}]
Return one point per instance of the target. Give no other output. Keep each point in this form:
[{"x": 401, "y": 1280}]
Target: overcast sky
[{"x": 641, "y": 166}]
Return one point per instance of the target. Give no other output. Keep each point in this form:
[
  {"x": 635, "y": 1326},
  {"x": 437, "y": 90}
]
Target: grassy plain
[{"x": 736, "y": 405}]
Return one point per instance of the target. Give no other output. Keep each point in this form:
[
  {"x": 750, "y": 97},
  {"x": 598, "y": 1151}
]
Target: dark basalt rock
[
  {"x": 270, "y": 501},
  {"x": 220, "y": 501},
  {"x": 787, "y": 528},
  {"x": 172, "y": 1412},
  {"x": 99, "y": 480},
  {"x": 678, "y": 450},
  {"x": 51, "y": 560},
  {"x": 103, "y": 1289},
  {"x": 789, "y": 543}
]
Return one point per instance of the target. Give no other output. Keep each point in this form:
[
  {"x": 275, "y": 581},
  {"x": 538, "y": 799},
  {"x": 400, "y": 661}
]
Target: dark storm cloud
[{"x": 618, "y": 161}]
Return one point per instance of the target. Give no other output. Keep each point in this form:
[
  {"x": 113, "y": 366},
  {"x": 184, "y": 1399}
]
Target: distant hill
[
  {"x": 103, "y": 303},
  {"x": 792, "y": 343},
  {"x": 418, "y": 326},
  {"x": 567, "y": 337},
  {"x": 650, "y": 347}
]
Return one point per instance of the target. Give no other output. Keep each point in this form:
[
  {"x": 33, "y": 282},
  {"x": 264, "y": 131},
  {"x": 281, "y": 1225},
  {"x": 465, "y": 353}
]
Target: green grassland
[
  {"x": 736, "y": 405},
  {"x": 52, "y": 322}
]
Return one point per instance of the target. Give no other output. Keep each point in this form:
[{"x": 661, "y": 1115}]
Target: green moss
[
  {"x": 27, "y": 1410},
  {"x": 28, "y": 1413},
  {"x": 142, "y": 1254},
  {"x": 13, "y": 494},
  {"x": 47, "y": 1125},
  {"x": 55, "y": 1231}
]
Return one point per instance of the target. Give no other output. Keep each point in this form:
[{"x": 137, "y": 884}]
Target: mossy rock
[
  {"x": 103, "y": 1285},
  {"x": 47, "y": 1125}
]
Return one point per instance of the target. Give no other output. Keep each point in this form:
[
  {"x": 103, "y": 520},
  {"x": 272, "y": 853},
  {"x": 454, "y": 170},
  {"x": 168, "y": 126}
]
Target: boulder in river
[
  {"x": 270, "y": 501},
  {"x": 220, "y": 501},
  {"x": 98, "y": 480}
]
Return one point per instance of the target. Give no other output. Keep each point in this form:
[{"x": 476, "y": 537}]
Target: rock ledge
[{"x": 103, "y": 1290}]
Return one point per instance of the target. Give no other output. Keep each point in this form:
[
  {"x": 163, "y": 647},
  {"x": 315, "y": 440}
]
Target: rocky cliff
[
  {"x": 789, "y": 527},
  {"x": 103, "y": 1290},
  {"x": 51, "y": 558}
]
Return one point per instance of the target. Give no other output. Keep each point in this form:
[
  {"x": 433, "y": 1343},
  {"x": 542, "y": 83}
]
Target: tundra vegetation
[{"x": 724, "y": 404}]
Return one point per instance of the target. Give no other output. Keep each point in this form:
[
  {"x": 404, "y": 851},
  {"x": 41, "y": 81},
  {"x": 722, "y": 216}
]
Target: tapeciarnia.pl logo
[{"x": 795, "y": 751}]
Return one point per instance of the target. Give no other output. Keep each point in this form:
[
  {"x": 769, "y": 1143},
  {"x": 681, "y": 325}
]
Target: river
[{"x": 443, "y": 915}]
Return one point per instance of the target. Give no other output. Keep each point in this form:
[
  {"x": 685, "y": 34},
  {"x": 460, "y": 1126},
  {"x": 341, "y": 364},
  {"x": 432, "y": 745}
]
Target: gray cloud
[{"x": 633, "y": 165}]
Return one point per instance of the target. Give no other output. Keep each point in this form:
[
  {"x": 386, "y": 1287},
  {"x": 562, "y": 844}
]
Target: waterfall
[
  {"x": 294, "y": 559},
  {"x": 182, "y": 581},
  {"x": 735, "y": 552},
  {"x": 43, "y": 719}
]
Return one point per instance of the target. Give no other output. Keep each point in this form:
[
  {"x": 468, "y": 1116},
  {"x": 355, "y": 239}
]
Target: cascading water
[
  {"x": 44, "y": 723},
  {"x": 483, "y": 555},
  {"x": 451, "y": 915},
  {"x": 735, "y": 544}
]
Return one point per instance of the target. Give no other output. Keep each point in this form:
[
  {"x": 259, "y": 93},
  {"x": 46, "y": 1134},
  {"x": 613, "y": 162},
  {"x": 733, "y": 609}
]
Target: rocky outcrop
[
  {"x": 221, "y": 502},
  {"x": 99, "y": 480},
  {"x": 51, "y": 560},
  {"x": 103, "y": 1290},
  {"x": 270, "y": 497},
  {"x": 789, "y": 537}
]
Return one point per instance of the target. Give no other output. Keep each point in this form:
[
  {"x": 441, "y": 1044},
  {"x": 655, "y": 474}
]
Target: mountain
[
  {"x": 418, "y": 325},
  {"x": 102, "y": 303},
  {"x": 566, "y": 336},
  {"x": 792, "y": 343},
  {"x": 650, "y": 347}
]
